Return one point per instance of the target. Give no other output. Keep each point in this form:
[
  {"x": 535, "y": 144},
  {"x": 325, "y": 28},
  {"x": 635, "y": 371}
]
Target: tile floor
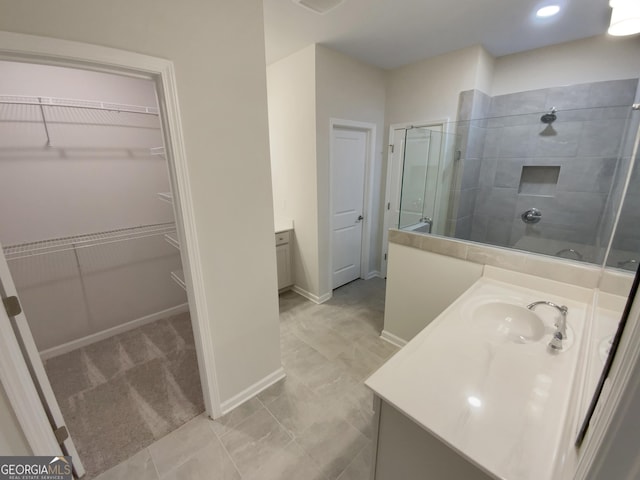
[{"x": 315, "y": 424}]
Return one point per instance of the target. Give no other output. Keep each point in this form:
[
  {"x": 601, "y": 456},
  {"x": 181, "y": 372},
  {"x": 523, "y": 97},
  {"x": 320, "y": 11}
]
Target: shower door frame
[
  {"x": 57, "y": 52},
  {"x": 445, "y": 147}
]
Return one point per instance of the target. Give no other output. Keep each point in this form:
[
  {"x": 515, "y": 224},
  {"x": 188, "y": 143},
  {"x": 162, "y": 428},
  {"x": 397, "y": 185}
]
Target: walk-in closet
[{"x": 88, "y": 231}]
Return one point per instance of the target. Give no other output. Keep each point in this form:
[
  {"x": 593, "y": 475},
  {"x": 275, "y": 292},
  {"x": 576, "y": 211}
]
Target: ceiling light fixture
[
  {"x": 548, "y": 11},
  {"x": 625, "y": 17}
]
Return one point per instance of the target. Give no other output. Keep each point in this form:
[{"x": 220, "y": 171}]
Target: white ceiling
[{"x": 392, "y": 33}]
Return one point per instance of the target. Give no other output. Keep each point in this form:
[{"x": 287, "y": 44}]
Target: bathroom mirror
[{"x": 541, "y": 171}]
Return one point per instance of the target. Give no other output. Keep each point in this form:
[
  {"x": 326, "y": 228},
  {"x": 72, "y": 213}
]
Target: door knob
[{"x": 360, "y": 218}]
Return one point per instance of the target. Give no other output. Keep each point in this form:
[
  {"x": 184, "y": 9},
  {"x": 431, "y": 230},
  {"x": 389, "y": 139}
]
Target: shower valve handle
[{"x": 533, "y": 215}]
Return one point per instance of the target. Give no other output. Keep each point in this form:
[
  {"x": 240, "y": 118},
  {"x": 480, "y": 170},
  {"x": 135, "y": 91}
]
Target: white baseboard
[
  {"x": 252, "y": 391},
  {"x": 110, "y": 332},
  {"x": 393, "y": 339},
  {"x": 311, "y": 296},
  {"x": 374, "y": 274}
]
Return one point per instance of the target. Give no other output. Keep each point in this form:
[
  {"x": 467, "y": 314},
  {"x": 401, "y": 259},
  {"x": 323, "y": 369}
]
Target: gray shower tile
[
  {"x": 479, "y": 228},
  {"x": 587, "y": 174},
  {"x": 465, "y": 104},
  {"x": 492, "y": 142},
  {"x": 470, "y": 173},
  {"x": 601, "y": 138},
  {"x": 498, "y": 232},
  {"x": 563, "y": 144},
  {"x": 517, "y": 141},
  {"x": 466, "y": 202},
  {"x": 255, "y": 441},
  {"x": 508, "y": 172},
  {"x": 569, "y": 97},
  {"x": 463, "y": 228},
  {"x": 519, "y": 103},
  {"x": 487, "y": 172},
  {"x": 497, "y": 202},
  {"x": 613, "y": 92},
  {"x": 475, "y": 142}
]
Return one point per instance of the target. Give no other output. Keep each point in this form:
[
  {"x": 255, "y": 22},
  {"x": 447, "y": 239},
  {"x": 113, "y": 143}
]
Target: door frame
[
  {"x": 367, "y": 201},
  {"x": 57, "y": 52},
  {"x": 442, "y": 172}
]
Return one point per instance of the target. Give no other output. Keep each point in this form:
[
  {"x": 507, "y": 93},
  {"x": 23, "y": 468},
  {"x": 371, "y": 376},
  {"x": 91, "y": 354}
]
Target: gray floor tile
[
  {"x": 254, "y": 442},
  {"x": 181, "y": 444},
  {"x": 360, "y": 467},
  {"x": 238, "y": 415},
  {"x": 292, "y": 462},
  {"x": 140, "y": 467},
  {"x": 333, "y": 445},
  {"x": 211, "y": 462}
]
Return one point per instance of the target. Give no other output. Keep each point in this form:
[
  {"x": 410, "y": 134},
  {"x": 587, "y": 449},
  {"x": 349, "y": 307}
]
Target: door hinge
[
  {"x": 61, "y": 434},
  {"x": 392, "y": 147},
  {"x": 12, "y": 306},
  {"x": 388, "y": 205},
  {"x": 385, "y": 256}
]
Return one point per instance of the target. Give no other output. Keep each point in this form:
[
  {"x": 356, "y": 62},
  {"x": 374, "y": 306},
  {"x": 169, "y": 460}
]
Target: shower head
[{"x": 550, "y": 117}]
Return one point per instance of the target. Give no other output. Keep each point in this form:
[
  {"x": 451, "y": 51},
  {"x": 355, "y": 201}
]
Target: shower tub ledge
[{"x": 470, "y": 397}]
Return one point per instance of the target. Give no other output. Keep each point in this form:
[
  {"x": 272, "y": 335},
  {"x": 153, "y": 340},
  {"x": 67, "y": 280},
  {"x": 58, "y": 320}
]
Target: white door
[
  {"x": 23, "y": 357},
  {"x": 348, "y": 160}
]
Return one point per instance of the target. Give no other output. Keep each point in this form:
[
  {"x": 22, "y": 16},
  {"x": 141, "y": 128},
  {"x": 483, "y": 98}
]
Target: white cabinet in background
[{"x": 283, "y": 259}]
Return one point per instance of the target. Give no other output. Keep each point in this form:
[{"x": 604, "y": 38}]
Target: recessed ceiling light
[{"x": 548, "y": 11}]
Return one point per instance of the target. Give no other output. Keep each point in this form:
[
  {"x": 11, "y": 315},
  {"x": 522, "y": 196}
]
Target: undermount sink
[{"x": 515, "y": 322}]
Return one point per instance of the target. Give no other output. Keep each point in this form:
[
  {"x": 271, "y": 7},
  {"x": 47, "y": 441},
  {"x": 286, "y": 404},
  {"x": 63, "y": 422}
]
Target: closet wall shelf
[
  {"x": 172, "y": 239},
  {"x": 44, "y": 247},
  {"x": 76, "y": 103},
  {"x": 178, "y": 277},
  {"x": 166, "y": 197},
  {"x": 159, "y": 151}
]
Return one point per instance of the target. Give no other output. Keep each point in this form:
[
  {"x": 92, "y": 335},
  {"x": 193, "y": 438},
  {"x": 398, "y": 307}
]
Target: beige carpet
[{"x": 121, "y": 394}]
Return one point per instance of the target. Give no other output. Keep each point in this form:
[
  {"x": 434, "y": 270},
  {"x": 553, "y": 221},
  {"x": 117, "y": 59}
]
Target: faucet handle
[{"x": 556, "y": 342}]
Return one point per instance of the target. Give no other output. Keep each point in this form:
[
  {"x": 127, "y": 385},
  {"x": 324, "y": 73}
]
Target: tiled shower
[{"x": 572, "y": 170}]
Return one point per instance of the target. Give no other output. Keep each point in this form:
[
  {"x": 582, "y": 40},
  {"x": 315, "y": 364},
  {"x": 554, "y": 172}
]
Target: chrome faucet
[{"x": 561, "y": 324}]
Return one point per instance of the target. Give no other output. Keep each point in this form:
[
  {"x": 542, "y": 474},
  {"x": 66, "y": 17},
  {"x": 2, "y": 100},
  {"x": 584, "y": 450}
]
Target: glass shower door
[{"x": 418, "y": 203}]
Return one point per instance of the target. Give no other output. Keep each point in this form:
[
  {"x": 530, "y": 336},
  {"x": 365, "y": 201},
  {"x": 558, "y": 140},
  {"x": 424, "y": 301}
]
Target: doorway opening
[{"x": 93, "y": 244}]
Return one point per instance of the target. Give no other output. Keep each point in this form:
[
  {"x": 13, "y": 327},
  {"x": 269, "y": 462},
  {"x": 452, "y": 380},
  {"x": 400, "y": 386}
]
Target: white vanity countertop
[
  {"x": 282, "y": 224},
  {"x": 500, "y": 403}
]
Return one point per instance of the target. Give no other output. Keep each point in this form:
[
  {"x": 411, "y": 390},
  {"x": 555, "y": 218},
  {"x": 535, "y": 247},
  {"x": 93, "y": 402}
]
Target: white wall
[
  {"x": 218, "y": 51},
  {"x": 100, "y": 174},
  {"x": 420, "y": 285},
  {"x": 347, "y": 90},
  {"x": 592, "y": 59},
  {"x": 428, "y": 90},
  {"x": 292, "y": 130},
  {"x": 306, "y": 90}
]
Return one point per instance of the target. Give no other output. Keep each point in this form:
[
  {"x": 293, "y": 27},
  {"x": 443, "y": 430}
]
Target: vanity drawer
[{"x": 282, "y": 238}]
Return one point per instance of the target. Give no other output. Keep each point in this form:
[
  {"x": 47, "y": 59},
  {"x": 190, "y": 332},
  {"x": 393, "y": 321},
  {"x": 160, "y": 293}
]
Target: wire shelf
[
  {"x": 178, "y": 277},
  {"x": 45, "y": 247},
  {"x": 75, "y": 103}
]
